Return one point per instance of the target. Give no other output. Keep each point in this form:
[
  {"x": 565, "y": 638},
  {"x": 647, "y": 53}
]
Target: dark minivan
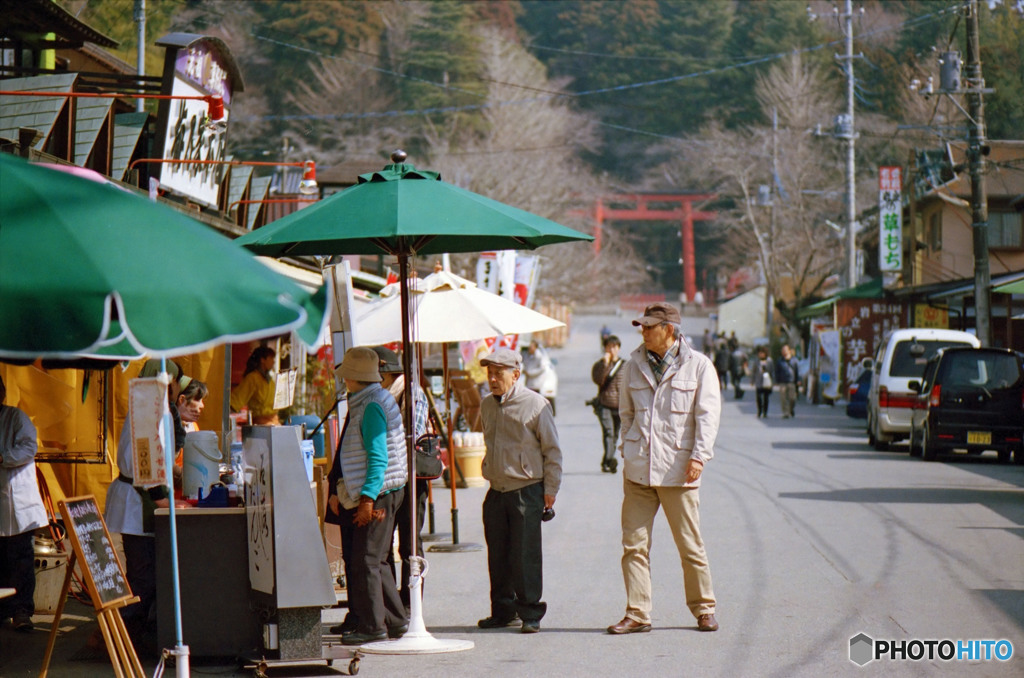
[{"x": 970, "y": 400}]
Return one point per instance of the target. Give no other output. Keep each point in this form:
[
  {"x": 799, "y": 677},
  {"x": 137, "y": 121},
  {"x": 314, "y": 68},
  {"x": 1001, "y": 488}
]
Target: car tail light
[
  {"x": 891, "y": 400},
  {"x": 936, "y": 395}
]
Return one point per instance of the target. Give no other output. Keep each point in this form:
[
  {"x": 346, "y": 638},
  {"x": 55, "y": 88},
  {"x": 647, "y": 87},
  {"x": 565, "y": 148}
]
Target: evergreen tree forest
[{"x": 549, "y": 104}]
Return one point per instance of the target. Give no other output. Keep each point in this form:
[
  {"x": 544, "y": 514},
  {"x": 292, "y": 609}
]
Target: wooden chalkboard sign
[
  {"x": 104, "y": 575},
  {"x": 104, "y": 581}
]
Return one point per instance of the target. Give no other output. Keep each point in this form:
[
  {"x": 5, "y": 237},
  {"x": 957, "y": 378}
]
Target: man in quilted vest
[{"x": 368, "y": 480}]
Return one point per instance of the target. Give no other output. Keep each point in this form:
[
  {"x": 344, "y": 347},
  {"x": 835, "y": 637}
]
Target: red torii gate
[{"x": 679, "y": 208}]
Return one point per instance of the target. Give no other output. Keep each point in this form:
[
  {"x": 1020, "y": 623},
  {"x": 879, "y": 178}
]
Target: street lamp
[
  {"x": 307, "y": 186},
  {"x": 216, "y": 115}
]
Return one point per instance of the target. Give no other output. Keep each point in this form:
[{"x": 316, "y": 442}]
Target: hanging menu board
[{"x": 104, "y": 576}]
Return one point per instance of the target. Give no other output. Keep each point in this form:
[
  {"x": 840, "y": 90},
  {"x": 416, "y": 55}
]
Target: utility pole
[
  {"x": 848, "y": 132},
  {"x": 976, "y": 150},
  {"x": 139, "y": 15}
]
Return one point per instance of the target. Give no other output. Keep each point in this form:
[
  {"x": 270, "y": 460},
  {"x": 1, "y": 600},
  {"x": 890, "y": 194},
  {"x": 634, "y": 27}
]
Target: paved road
[{"x": 813, "y": 538}]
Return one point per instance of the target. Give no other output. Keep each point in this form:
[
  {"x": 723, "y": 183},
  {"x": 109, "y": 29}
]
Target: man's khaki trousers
[{"x": 639, "y": 507}]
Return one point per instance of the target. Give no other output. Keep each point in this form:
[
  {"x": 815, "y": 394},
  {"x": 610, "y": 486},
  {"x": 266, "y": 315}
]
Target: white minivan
[{"x": 900, "y": 359}]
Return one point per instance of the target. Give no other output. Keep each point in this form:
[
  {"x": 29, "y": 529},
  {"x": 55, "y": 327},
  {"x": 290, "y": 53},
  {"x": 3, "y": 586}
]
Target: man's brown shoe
[
  {"x": 707, "y": 622},
  {"x": 628, "y": 625}
]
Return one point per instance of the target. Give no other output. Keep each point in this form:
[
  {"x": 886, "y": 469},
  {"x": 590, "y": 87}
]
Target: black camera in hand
[{"x": 548, "y": 514}]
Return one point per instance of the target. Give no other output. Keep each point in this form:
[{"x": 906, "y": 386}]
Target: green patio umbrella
[
  {"x": 92, "y": 269},
  {"x": 405, "y": 212}
]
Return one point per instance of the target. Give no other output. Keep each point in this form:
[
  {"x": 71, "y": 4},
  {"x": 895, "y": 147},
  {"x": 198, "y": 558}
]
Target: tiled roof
[
  {"x": 90, "y": 117},
  {"x": 260, "y": 185},
  {"x": 38, "y": 113},
  {"x": 127, "y": 129}
]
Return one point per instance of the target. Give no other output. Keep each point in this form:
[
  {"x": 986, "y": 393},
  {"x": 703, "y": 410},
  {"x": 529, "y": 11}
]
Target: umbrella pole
[
  {"x": 417, "y": 640},
  {"x": 455, "y": 546},
  {"x": 180, "y": 650}
]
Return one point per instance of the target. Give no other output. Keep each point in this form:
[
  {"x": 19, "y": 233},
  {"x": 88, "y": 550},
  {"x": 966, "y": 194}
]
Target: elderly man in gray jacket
[
  {"x": 523, "y": 463},
  {"x": 670, "y": 407}
]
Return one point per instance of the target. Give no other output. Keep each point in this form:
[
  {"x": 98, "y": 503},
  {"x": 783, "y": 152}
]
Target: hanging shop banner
[
  {"x": 150, "y": 421},
  {"x": 487, "y": 271},
  {"x": 890, "y": 219}
]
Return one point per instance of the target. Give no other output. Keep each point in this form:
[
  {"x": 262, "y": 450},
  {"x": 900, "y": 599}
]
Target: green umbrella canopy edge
[
  {"x": 402, "y": 210},
  {"x": 92, "y": 269}
]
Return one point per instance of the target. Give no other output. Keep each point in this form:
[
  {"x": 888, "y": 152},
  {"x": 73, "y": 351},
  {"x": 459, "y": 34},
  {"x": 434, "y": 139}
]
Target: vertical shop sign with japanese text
[{"x": 890, "y": 219}]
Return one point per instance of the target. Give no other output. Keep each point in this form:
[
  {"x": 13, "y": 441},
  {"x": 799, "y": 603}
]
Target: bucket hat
[{"x": 360, "y": 364}]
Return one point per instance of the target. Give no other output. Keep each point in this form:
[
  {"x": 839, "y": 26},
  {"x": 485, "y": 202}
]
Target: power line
[{"x": 627, "y": 87}]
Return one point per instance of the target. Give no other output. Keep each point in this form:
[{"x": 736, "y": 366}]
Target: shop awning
[{"x": 871, "y": 289}]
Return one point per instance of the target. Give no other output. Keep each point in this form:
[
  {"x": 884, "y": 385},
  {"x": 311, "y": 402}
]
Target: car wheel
[
  {"x": 871, "y": 433},
  {"x": 915, "y": 442},
  {"x": 1018, "y": 456},
  {"x": 880, "y": 444},
  {"x": 928, "y": 451},
  {"x": 1004, "y": 456}
]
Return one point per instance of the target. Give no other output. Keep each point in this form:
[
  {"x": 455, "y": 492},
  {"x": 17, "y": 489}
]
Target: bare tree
[
  {"x": 526, "y": 154},
  {"x": 778, "y": 185}
]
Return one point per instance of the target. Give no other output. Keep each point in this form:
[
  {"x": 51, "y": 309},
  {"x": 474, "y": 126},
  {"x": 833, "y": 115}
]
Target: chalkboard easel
[{"x": 105, "y": 583}]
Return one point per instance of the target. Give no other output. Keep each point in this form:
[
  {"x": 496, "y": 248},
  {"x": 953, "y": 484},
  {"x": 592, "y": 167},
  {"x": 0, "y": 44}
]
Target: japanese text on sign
[{"x": 890, "y": 219}]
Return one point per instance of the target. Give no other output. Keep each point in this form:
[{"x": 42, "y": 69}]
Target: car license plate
[{"x": 979, "y": 438}]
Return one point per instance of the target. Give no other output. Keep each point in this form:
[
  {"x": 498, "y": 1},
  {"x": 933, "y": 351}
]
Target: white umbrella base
[{"x": 417, "y": 643}]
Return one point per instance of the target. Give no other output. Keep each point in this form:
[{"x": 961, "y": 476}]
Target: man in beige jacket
[
  {"x": 670, "y": 407},
  {"x": 523, "y": 463}
]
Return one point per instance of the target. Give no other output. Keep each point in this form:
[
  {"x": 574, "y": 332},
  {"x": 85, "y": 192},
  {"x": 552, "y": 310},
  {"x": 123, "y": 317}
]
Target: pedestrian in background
[
  {"x": 737, "y": 369},
  {"x": 670, "y": 416},
  {"x": 523, "y": 463},
  {"x": 21, "y": 512},
  {"x": 607, "y": 373},
  {"x": 761, "y": 376},
  {"x": 707, "y": 343},
  {"x": 787, "y": 376},
  {"x": 723, "y": 359},
  {"x": 257, "y": 389},
  {"x": 539, "y": 372}
]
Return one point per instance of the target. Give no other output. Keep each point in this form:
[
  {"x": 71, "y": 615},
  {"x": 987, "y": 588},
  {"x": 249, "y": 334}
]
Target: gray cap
[
  {"x": 504, "y": 357},
  {"x": 389, "y": 361}
]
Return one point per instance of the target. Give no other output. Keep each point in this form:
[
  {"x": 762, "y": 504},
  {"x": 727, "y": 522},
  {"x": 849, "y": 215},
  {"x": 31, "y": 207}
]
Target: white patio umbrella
[{"x": 446, "y": 308}]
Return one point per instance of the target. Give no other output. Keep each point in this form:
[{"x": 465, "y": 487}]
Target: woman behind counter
[{"x": 256, "y": 390}]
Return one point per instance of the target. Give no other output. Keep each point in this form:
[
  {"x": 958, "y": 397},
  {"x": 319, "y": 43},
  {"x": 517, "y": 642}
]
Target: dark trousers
[
  {"x": 610, "y": 422},
  {"x": 18, "y": 571},
  {"x": 140, "y": 570},
  {"x": 372, "y": 594},
  {"x": 512, "y": 529},
  {"x": 737, "y": 385},
  {"x": 763, "y": 395},
  {"x": 404, "y": 525}
]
